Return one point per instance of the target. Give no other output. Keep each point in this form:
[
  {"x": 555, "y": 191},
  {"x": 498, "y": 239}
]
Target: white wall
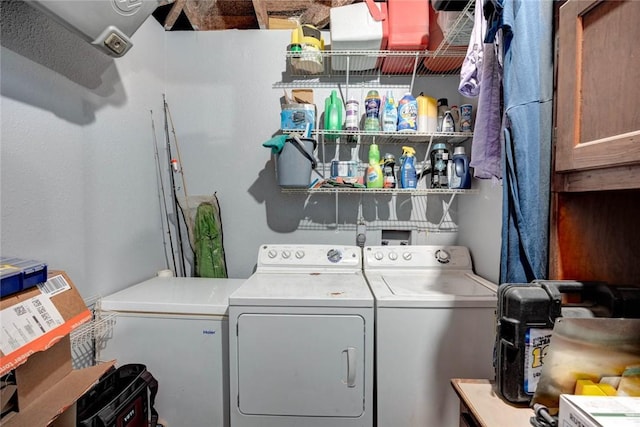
[
  {"x": 220, "y": 87},
  {"x": 481, "y": 227},
  {"x": 78, "y": 175}
]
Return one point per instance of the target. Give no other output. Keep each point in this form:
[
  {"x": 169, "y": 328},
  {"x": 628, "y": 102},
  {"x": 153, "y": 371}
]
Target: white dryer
[
  {"x": 301, "y": 340},
  {"x": 435, "y": 320}
]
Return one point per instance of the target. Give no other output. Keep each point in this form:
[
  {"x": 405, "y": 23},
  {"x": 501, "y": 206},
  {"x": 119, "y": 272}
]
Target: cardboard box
[
  {"x": 38, "y": 348},
  {"x": 598, "y": 411},
  {"x": 40, "y": 317}
]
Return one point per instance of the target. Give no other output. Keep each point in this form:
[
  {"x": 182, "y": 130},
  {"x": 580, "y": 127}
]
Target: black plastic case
[{"x": 525, "y": 317}]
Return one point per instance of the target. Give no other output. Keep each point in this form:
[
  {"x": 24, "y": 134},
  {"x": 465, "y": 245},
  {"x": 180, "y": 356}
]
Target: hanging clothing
[
  {"x": 486, "y": 146},
  {"x": 481, "y": 76},
  {"x": 528, "y": 92},
  {"x": 471, "y": 69}
]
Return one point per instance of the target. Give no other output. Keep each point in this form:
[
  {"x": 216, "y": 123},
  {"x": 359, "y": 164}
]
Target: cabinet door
[{"x": 598, "y": 119}]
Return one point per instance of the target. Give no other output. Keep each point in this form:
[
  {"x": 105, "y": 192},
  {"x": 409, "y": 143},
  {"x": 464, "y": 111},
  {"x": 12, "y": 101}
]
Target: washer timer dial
[{"x": 334, "y": 255}]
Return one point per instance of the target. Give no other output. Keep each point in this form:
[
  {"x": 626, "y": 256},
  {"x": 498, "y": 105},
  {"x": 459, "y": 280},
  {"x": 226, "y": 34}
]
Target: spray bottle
[
  {"x": 374, "y": 177},
  {"x": 408, "y": 176}
]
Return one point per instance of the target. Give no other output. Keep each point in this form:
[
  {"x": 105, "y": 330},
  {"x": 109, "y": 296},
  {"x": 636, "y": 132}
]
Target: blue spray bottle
[{"x": 408, "y": 176}]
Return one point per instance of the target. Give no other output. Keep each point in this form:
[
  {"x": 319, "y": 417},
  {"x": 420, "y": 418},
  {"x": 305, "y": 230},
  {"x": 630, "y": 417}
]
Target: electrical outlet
[{"x": 361, "y": 234}]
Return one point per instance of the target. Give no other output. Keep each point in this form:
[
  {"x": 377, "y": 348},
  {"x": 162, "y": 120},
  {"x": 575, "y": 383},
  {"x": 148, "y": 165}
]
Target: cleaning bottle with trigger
[
  {"x": 333, "y": 115},
  {"x": 408, "y": 176},
  {"x": 374, "y": 176}
]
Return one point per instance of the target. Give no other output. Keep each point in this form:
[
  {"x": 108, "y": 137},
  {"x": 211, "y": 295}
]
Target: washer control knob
[
  {"x": 393, "y": 256},
  {"x": 407, "y": 256},
  {"x": 299, "y": 254},
  {"x": 378, "y": 255},
  {"x": 272, "y": 253},
  {"x": 286, "y": 254},
  {"x": 442, "y": 256},
  {"x": 334, "y": 255}
]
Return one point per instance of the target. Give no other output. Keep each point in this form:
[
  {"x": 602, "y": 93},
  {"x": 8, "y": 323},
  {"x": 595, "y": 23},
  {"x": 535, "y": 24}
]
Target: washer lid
[
  {"x": 432, "y": 289},
  {"x": 174, "y": 295},
  {"x": 344, "y": 289}
]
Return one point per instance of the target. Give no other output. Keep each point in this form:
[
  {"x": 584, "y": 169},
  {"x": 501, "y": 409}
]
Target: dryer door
[{"x": 301, "y": 365}]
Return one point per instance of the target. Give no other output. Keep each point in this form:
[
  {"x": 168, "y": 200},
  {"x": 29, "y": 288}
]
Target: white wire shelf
[
  {"x": 94, "y": 330},
  {"x": 378, "y": 191},
  {"x": 394, "y": 224},
  {"x": 387, "y": 137},
  {"x": 368, "y": 68},
  {"x": 406, "y": 64}
]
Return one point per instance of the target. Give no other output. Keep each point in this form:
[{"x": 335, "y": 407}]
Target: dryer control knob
[
  {"x": 272, "y": 253},
  {"x": 442, "y": 256},
  {"x": 299, "y": 254},
  {"x": 407, "y": 256},
  {"x": 393, "y": 256},
  {"x": 378, "y": 256},
  {"x": 286, "y": 254}
]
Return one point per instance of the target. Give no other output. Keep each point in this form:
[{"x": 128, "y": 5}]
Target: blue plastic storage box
[{"x": 19, "y": 274}]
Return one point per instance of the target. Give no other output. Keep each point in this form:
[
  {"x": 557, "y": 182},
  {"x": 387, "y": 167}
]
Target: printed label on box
[
  {"x": 54, "y": 285},
  {"x": 23, "y": 322}
]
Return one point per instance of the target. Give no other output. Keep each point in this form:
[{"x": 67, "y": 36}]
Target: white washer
[
  {"x": 435, "y": 320},
  {"x": 178, "y": 327},
  {"x": 301, "y": 340}
]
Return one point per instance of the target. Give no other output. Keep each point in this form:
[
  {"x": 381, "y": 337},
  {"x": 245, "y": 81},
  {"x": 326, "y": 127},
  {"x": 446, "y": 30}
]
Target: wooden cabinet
[
  {"x": 595, "y": 218},
  {"x": 598, "y": 119}
]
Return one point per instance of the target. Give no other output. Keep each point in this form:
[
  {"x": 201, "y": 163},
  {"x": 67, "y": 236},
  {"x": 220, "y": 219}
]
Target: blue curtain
[{"x": 528, "y": 91}]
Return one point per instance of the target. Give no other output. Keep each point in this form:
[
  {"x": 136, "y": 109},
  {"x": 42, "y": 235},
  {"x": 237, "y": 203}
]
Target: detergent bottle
[
  {"x": 389, "y": 114},
  {"x": 460, "y": 177},
  {"x": 374, "y": 176},
  {"x": 439, "y": 159},
  {"x": 407, "y": 113},
  {"x": 333, "y": 115},
  {"x": 408, "y": 176},
  {"x": 389, "y": 170},
  {"x": 372, "y": 111},
  {"x": 352, "y": 119}
]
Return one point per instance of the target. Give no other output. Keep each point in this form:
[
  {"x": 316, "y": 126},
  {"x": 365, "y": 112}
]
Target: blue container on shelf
[
  {"x": 20, "y": 274},
  {"x": 298, "y": 117}
]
